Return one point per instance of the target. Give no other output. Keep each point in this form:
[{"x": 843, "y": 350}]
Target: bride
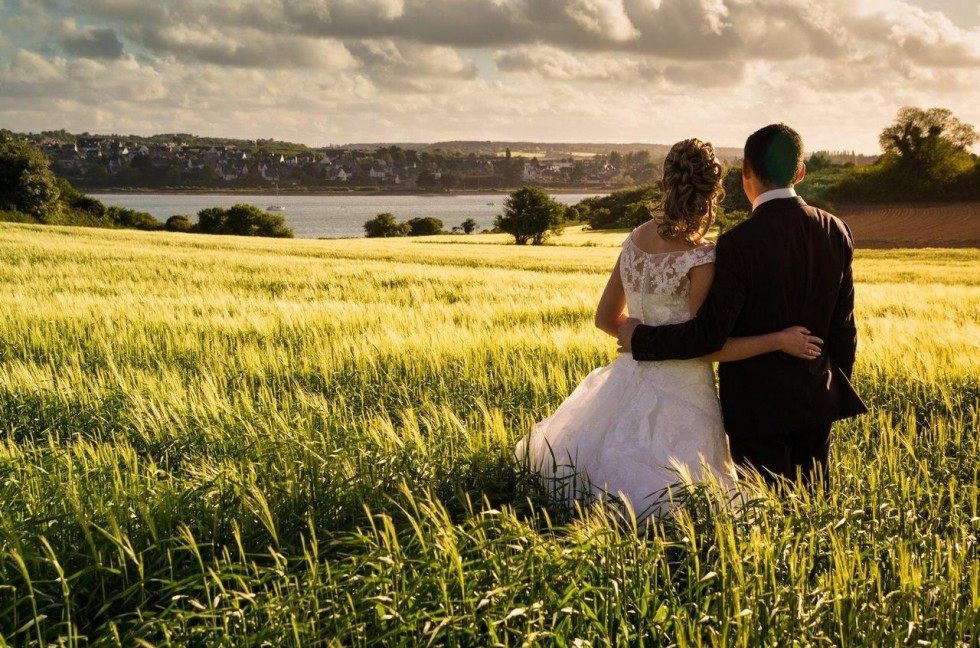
[{"x": 632, "y": 430}]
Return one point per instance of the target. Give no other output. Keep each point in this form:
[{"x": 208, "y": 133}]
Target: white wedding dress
[{"x": 635, "y": 430}]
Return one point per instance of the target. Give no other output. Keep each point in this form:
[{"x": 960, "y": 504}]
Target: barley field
[{"x": 209, "y": 441}]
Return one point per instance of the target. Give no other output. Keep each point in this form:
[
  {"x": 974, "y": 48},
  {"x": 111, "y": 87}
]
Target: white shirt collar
[{"x": 773, "y": 194}]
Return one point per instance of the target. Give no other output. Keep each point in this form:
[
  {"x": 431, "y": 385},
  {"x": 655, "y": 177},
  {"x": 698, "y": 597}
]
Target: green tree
[
  {"x": 26, "y": 182},
  {"x": 530, "y": 214},
  {"x": 242, "y": 220},
  {"x": 450, "y": 180},
  {"x": 468, "y": 226},
  {"x": 927, "y": 148},
  {"x": 917, "y": 134},
  {"x": 426, "y": 180},
  {"x": 179, "y": 223},
  {"x": 249, "y": 220},
  {"x": 133, "y": 219},
  {"x": 818, "y": 162},
  {"x": 383, "y": 226},
  {"x": 211, "y": 220},
  {"x": 735, "y": 199},
  {"x": 513, "y": 169},
  {"x": 424, "y": 226}
]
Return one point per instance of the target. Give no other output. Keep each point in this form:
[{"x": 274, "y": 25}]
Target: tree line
[{"x": 926, "y": 156}]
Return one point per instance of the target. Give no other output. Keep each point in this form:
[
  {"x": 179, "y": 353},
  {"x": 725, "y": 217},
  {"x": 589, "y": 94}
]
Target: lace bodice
[{"x": 656, "y": 285}]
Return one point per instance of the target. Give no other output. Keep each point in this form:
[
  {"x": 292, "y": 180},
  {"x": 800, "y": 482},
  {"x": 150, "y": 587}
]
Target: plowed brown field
[{"x": 913, "y": 225}]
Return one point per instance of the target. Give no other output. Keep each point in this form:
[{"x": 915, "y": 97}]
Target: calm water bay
[{"x": 331, "y": 216}]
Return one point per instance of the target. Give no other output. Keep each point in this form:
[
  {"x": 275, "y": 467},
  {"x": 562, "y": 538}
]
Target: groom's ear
[{"x": 800, "y": 175}]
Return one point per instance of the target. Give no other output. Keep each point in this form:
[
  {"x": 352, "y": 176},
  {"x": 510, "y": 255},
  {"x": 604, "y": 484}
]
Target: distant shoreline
[{"x": 320, "y": 192}]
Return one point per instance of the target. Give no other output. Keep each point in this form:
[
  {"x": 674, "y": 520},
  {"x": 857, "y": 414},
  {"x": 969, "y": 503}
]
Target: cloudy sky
[{"x": 336, "y": 71}]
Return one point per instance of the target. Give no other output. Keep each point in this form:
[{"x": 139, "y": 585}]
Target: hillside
[
  {"x": 913, "y": 225},
  {"x": 546, "y": 149}
]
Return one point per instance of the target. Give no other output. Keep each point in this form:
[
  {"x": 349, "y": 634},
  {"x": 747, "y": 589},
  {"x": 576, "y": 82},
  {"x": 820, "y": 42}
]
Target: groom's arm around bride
[{"x": 788, "y": 264}]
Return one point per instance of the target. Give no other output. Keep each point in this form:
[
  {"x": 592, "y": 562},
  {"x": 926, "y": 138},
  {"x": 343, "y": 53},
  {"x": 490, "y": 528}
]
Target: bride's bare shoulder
[{"x": 647, "y": 237}]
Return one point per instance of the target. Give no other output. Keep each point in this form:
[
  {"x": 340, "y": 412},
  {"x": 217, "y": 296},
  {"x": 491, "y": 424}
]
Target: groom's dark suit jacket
[{"x": 788, "y": 264}]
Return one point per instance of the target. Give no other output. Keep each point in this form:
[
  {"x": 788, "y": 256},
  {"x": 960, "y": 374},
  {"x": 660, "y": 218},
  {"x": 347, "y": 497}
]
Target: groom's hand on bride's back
[{"x": 625, "y": 335}]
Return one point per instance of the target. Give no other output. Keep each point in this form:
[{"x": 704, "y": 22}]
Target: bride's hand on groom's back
[
  {"x": 799, "y": 343},
  {"x": 625, "y": 335}
]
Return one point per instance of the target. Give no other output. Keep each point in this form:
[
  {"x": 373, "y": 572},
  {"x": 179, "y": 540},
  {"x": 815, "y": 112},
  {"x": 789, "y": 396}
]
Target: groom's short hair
[{"x": 775, "y": 154}]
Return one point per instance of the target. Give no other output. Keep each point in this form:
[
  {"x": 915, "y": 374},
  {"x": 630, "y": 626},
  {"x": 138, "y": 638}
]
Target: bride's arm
[
  {"x": 795, "y": 340},
  {"x": 609, "y": 315}
]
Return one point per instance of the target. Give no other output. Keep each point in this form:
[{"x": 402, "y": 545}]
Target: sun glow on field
[{"x": 220, "y": 440}]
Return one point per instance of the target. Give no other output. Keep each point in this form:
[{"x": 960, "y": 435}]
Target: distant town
[{"x": 188, "y": 163}]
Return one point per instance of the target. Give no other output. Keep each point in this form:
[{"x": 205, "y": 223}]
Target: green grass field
[{"x": 240, "y": 442}]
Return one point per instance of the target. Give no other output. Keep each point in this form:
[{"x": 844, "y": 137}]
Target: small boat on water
[{"x": 278, "y": 207}]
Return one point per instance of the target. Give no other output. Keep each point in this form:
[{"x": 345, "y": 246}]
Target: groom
[{"x": 788, "y": 264}]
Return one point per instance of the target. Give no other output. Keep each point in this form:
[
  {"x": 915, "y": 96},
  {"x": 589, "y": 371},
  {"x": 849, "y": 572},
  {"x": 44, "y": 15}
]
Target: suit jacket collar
[{"x": 771, "y": 205}]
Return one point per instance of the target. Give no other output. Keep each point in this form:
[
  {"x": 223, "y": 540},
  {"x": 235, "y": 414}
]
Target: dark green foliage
[
  {"x": 636, "y": 214},
  {"x": 424, "y": 226},
  {"x": 926, "y": 138},
  {"x": 735, "y": 200},
  {"x": 82, "y": 203},
  {"x": 620, "y": 209},
  {"x": 818, "y": 161},
  {"x": 133, "y": 219},
  {"x": 426, "y": 180},
  {"x": 468, "y": 225},
  {"x": 26, "y": 182},
  {"x": 79, "y": 209},
  {"x": 211, "y": 220},
  {"x": 242, "y": 220},
  {"x": 725, "y": 220},
  {"x": 383, "y": 226},
  {"x": 179, "y": 223},
  {"x": 530, "y": 214},
  {"x": 926, "y": 157},
  {"x": 7, "y": 216}
]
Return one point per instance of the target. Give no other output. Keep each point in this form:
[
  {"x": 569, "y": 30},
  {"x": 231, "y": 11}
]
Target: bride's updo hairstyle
[{"x": 692, "y": 189}]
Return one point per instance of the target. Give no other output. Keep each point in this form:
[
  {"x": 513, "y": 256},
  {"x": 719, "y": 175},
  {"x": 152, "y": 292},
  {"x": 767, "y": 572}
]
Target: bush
[
  {"x": 383, "y": 226},
  {"x": 179, "y": 223},
  {"x": 425, "y": 226},
  {"x": 133, "y": 219},
  {"x": 242, "y": 220},
  {"x": 8, "y": 216},
  {"x": 85, "y": 207},
  {"x": 468, "y": 226},
  {"x": 249, "y": 220},
  {"x": 211, "y": 220}
]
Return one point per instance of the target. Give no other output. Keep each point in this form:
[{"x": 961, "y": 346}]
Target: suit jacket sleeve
[
  {"x": 706, "y": 332},
  {"x": 842, "y": 337}
]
